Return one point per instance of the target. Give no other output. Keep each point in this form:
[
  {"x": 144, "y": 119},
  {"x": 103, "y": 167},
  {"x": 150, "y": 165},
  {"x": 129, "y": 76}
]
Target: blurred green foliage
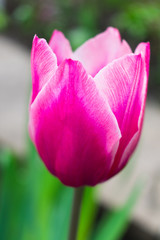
[
  {"x": 35, "y": 205},
  {"x": 4, "y": 20},
  {"x": 139, "y": 20},
  {"x": 79, "y": 20}
]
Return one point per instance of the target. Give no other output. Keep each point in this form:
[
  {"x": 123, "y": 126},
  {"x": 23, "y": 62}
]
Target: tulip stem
[{"x": 78, "y": 193}]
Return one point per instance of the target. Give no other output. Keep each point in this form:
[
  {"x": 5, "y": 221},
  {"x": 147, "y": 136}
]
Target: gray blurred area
[
  {"x": 15, "y": 81},
  {"x": 2, "y": 3}
]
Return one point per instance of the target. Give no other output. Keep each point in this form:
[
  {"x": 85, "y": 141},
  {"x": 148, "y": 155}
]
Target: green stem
[{"x": 78, "y": 193}]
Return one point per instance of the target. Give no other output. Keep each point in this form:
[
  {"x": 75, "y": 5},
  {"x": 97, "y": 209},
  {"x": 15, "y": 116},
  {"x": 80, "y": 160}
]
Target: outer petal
[
  {"x": 73, "y": 127},
  {"x": 60, "y": 46},
  {"x": 43, "y": 65},
  {"x": 144, "y": 49},
  {"x": 119, "y": 81},
  {"x": 122, "y": 81}
]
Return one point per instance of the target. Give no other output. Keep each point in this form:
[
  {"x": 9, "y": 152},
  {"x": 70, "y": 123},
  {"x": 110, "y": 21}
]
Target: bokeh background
[{"x": 35, "y": 205}]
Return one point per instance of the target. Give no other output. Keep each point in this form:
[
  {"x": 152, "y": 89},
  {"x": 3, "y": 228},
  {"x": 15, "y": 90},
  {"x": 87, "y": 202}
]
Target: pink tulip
[{"x": 86, "y": 109}]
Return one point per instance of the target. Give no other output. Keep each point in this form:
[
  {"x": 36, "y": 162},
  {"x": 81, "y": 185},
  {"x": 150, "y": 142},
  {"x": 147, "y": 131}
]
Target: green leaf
[{"x": 11, "y": 195}]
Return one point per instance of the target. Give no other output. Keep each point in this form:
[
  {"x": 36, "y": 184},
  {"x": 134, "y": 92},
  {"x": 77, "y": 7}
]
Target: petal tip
[
  {"x": 70, "y": 61},
  {"x": 56, "y": 34},
  {"x": 142, "y": 47},
  {"x": 113, "y": 30},
  {"x": 35, "y": 39},
  {"x": 73, "y": 65}
]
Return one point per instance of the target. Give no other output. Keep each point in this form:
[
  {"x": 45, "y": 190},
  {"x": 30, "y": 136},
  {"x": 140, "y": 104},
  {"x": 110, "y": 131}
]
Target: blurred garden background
[{"x": 33, "y": 204}]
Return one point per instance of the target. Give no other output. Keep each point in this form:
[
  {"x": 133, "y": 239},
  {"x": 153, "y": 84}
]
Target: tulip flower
[{"x": 86, "y": 108}]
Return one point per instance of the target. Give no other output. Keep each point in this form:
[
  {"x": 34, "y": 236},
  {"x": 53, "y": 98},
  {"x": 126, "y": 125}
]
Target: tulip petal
[
  {"x": 144, "y": 49},
  {"x": 122, "y": 81},
  {"x": 60, "y": 46},
  {"x": 101, "y": 50},
  {"x": 73, "y": 127},
  {"x": 123, "y": 50},
  {"x": 97, "y": 52},
  {"x": 43, "y": 65},
  {"x": 117, "y": 81}
]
